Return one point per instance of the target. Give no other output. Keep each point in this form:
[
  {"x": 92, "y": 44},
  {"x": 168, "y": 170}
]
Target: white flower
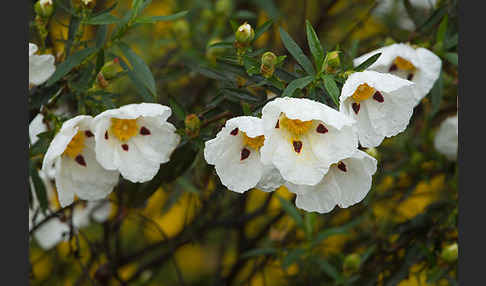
[
  {"x": 41, "y": 67},
  {"x": 36, "y": 127},
  {"x": 72, "y": 151},
  {"x": 446, "y": 139},
  {"x": 135, "y": 139},
  {"x": 396, "y": 9},
  {"x": 304, "y": 137},
  {"x": 418, "y": 65},
  {"x": 346, "y": 184},
  {"x": 235, "y": 152},
  {"x": 99, "y": 211},
  {"x": 45, "y": 2},
  {"x": 381, "y": 103}
]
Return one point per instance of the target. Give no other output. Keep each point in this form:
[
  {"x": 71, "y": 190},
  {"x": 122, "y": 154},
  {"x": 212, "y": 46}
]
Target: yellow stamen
[
  {"x": 256, "y": 143},
  {"x": 295, "y": 126},
  {"x": 403, "y": 64},
  {"x": 124, "y": 129},
  {"x": 363, "y": 92},
  {"x": 76, "y": 145}
]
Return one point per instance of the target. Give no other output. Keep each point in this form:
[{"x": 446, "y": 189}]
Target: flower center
[
  {"x": 124, "y": 129},
  {"x": 76, "y": 145},
  {"x": 256, "y": 143},
  {"x": 363, "y": 92},
  {"x": 295, "y": 126},
  {"x": 403, "y": 64}
]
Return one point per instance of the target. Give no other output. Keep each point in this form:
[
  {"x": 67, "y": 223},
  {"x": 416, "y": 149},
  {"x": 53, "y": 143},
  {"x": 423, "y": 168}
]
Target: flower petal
[
  {"x": 132, "y": 111},
  {"x": 32, "y": 49},
  {"x": 446, "y": 138},
  {"x": 133, "y": 165},
  {"x": 41, "y": 68},
  {"x": 270, "y": 180},
  {"x": 36, "y": 127}
]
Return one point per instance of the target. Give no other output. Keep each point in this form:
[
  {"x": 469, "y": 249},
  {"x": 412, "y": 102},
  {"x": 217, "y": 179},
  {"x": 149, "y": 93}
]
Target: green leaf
[
  {"x": 153, "y": 19},
  {"x": 258, "y": 252},
  {"x": 177, "y": 108},
  {"x": 329, "y": 269},
  {"x": 331, "y": 88},
  {"x": 103, "y": 19},
  {"x": 140, "y": 87},
  {"x": 451, "y": 42},
  {"x": 452, "y": 58},
  {"x": 292, "y": 257},
  {"x": 240, "y": 94},
  {"x": 221, "y": 45},
  {"x": 101, "y": 34},
  {"x": 291, "y": 211},
  {"x": 140, "y": 69},
  {"x": 314, "y": 45},
  {"x": 73, "y": 61},
  {"x": 322, "y": 235},
  {"x": 441, "y": 32},
  {"x": 436, "y": 95},
  {"x": 262, "y": 29},
  {"x": 40, "y": 189},
  {"x": 73, "y": 28},
  {"x": 299, "y": 83},
  {"x": 244, "y": 14},
  {"x": 364, "y": 65},
  {"x": 296, "y": 52}
]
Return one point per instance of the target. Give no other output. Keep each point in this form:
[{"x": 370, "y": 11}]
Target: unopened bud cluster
[
  {"x": 44, "y": 8},
  {"x": 269, "y": 60},
  {"x": 244, "y": 35}
]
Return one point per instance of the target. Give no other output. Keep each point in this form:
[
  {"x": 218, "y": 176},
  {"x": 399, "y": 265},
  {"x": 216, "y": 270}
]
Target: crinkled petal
[
  {"x": 36, "y": 127},
  {"x": 41, "y": 68},
  {"x": 161, "y": 141},
  {"x": 51, "y": 233},
  {"x": 106, "y": 145},
  {"x": 133, "y": 111},
  {"x": 133, "y": 165},
  {"x": 252, "y": 126},
  {"x": 271, "y": 179},
  {"x": 446, "y": 138},
  {"x": 32, "y": 49}
]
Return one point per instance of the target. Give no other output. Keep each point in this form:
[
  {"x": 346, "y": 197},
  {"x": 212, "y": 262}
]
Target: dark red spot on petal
[
  {"x": 144, "y": 131},
  {"x": 410, "y": 76},
  {"x": 297, "y": 146},
  {"x": 321, "y": 128},
  {"x": 80, "y": 160},
  {"x": 278, "y": 124},
  {"x": 393, "y": 67},
  {"x": 234, "y": 132},
  {"x": 355, "y": 107},
  {"x": 106, "y": 134},
  {"x": 378, "y": 97},
  {"x": 244, "y": 154},
  {"x": 342, "y": 166},
  {"x": 116, "y": 60},
  {"x": 88, "y": 133},
  {"x": 125, "y": 147}
]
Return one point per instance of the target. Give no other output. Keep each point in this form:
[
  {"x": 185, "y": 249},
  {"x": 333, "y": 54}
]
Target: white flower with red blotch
[
  {"x": 235, "y": 152},
  {"x": 72, "y": 152},
  {"x": 135, "y": 139},
  {"x": 41, "y": 67},
  {"x": 382, "y": 105},
  {"x": 345, "y": 184},
  {"x": 304, "y": 137},
  {"x": 415, "y": 64},
  {"x": 446, "y": 138}
]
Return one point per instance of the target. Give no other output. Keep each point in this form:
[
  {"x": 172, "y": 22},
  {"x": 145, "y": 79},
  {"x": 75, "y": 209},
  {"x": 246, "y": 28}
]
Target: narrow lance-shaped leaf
[
  {"x": 153, "y": 19},
  {"x": 292, "y": 257},
  {"x": 262, "y": 29},
  {"x": 364, "y": 65},
  {"x": 296, "y": 52},
  {"x": 299, "y": 83},
  {"x": 291, "y": 211},
  {"x": 331, "y": 88},
  {"x": 141, "y": 89},
  {"x": 40, "y": 190},
  {"x": 103, "y": 19},
  {"x": 141, "y": 70},
  {"x": 441, "y": 33},
  {"x": 65, "y": 67},
  {"x": 314, "y": 45}
]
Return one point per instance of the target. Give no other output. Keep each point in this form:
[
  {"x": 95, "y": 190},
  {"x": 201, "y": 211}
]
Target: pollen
[
  {"x": 124, "y": 129},
  {"x": 256, "y": 143},
  {"x": 295, "y": 126},
  {"x": 403, "y": 64},
  {"x": 363, "y": 92},
  {"x": 75, "y": 147}
]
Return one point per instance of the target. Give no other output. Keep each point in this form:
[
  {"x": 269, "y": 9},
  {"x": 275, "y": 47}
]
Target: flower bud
[
  {"x": 44, "y": 8},
  {"x": 244, "y": 34},
  {"x": 351, "y": 264},
  {"x": 333, "y": 59},
  {"x": 269, "y": 60},
  {"x": 193, "y": 123},
  {"x": 111, "y": 69},
  {"x": 223, "y": 7},
  {"x": 450, "y": 253}
]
